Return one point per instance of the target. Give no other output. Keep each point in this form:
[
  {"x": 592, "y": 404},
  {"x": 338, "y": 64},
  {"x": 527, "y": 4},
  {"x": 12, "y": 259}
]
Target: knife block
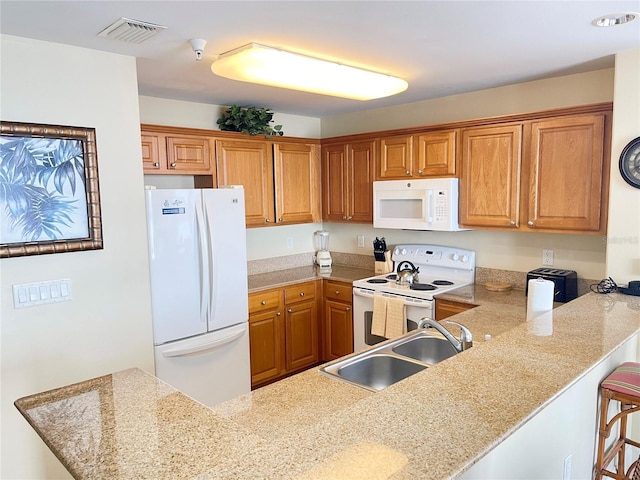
[{"x": 386, "y": 266}]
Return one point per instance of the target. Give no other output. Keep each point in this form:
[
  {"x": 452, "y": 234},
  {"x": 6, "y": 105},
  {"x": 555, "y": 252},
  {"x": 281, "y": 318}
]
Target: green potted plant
[{"x": 251, "y": 120}]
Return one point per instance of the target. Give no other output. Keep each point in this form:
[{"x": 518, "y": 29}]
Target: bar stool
[{"x": 623, "y": 385}]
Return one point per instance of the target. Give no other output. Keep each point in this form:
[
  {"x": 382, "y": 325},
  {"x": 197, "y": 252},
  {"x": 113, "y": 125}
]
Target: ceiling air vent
[{"x": 132, "y": 31}]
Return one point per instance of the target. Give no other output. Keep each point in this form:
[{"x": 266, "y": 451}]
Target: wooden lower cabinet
[
  {"x": 283, "y": 331},
  {"x": 448, "y": 308},
  {"x": 338, "y": 318}
]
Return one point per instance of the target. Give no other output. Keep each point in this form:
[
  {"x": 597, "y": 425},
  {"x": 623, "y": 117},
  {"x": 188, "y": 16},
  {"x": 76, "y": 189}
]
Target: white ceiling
[{"x": 440, "y": 47}]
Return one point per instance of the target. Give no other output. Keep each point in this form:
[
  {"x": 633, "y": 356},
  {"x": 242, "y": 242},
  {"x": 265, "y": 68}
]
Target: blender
[{"x": 323, "y": 257}]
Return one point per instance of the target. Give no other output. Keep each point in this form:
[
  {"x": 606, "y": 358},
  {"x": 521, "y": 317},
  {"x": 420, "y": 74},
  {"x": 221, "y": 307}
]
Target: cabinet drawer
[
  {"x": 299, "y": 292},
  {"x": 338, "y": 291},
  {"x": 261, "y": 301}
]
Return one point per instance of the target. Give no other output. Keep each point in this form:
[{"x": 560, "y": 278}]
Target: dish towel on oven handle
[
  {"x": 379, "y": 320},
  {"x": 396, "y": 318}
]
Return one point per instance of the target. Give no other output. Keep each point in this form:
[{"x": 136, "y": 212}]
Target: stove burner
[
  {"x": 393, "y": 276},
  {"x": 377, "y": 280},
  {"x": 422, "y": 286},
  {"x": 442, "y": 282}
]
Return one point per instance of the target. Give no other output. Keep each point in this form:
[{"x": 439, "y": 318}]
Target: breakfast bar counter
[{"x": 435, "y": 424}]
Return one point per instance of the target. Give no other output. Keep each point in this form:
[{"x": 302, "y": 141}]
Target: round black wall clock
[{"x": 630, "y": 163}]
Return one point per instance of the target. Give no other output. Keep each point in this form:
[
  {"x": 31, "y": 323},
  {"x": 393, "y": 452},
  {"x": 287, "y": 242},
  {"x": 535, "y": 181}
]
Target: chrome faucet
[{"x": 466, "y": 339}]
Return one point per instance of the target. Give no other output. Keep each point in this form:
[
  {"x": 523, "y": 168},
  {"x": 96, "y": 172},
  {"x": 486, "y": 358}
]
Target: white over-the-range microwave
[{"x": 422, "y": 204}]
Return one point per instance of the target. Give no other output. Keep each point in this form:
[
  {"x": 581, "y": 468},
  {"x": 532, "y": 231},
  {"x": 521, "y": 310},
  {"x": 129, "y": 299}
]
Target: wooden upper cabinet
[
  {"x": 490, "y": 176},
  {"x": 348, "y": 172},
  {"x": 566, "y": 171},
  {"x": 248, "y": 163},
  {"x": 395, "y": 157},
  {"x": 435, "y": 154},
  {"x": 177, "y": 154},
  {"x": 297, "y": 183}
]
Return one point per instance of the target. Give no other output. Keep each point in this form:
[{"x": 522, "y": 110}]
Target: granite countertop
[
  {"x": 263, "y": 281},
  {"x": 131, "y": 425}
]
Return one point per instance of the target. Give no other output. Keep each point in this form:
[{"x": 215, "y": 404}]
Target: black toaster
[{"x": 566, "y": 282}]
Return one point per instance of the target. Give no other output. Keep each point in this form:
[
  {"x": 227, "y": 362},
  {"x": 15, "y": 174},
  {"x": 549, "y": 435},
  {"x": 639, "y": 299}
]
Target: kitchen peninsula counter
[
  {"x": 433, "y": 425},
  {"x": 280, "y": 278}
]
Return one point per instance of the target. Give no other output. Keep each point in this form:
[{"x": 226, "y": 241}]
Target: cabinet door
[
  {"x": 334, "y": 182},
  {"x": 338, "y": 329},
  {"x": 490, "y": 176},
  {"x": 448, "y": 308},
  {"x": 266, "y": 340},
  {"x": 396, "y": 157},
  {"x": 297, "y": 181},
  {"x": 435, "y": 154},
  {"x": 301, "y": 335},
  {"x": 189, "y": 154},
  {"x": 360, "y": 181},
  {"x": 248, "y": 163},
  {"x": 153, "y": 158},
  {"x": 566, "y": 168}
]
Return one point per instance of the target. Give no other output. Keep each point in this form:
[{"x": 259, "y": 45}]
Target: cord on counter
[{"x": 606, "y": 285}]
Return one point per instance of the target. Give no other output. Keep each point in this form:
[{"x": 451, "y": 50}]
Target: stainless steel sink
[
  {"x": 379, "y": 371},
  {"x": 426, "y": 349},
  {"x": 391, "y": 361}
]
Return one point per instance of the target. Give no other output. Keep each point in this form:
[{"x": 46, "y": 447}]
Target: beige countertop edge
[{"x": 281, "y": 278}]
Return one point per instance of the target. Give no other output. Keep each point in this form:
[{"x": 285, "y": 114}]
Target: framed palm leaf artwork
[{"x": 49, "y": 192}]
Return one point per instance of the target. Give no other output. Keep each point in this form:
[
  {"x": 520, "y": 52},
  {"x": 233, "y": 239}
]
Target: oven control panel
[{"x": 436, "y": 256}]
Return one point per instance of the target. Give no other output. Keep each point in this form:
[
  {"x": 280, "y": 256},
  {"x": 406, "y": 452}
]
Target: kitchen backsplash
[{"x": 483, "y": 275}]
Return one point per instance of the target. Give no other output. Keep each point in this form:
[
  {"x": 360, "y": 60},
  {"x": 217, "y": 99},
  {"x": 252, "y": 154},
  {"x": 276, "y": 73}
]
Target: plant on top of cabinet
[{"x": 250, "y": 120}]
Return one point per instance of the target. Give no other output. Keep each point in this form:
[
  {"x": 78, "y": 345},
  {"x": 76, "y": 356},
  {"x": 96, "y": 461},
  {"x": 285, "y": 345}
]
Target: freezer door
[
  {"x": 225, "y": 217},
  {"x": 176, "y": 269},
  {"x": 210, "y": 368}
]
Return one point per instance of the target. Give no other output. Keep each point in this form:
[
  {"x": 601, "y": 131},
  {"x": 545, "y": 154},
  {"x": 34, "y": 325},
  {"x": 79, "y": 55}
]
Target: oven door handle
[{"x": 409, "y": 301}]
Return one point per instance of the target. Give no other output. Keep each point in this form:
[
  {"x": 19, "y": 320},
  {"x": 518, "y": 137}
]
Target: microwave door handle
[{"x": 430, "y": 206}]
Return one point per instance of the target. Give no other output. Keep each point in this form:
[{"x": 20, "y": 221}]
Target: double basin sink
[{"x": 392, "y": 361}]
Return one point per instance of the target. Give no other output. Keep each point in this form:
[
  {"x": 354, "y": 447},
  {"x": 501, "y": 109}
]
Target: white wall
[
  {"x": 623, "y": 239},
  {"x": 107, "y": 326}
]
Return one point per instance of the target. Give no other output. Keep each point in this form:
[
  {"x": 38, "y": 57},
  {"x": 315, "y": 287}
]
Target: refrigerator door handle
[
  {"x": 203, "y": 251},
  {"x": 204, "y": 347}
]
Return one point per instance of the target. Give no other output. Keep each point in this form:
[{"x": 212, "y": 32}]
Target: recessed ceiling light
[{"x": 614, "y": 19}]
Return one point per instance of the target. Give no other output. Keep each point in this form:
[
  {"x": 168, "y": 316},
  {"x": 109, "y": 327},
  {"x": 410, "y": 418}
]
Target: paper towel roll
[{"x": 540, "y": 297}]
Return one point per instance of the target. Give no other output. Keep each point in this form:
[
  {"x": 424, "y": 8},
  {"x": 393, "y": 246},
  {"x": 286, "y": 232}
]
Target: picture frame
[{"x": 49, "y": 189}]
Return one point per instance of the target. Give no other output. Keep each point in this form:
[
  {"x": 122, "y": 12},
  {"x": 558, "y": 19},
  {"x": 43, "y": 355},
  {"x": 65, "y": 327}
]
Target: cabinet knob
[
  {"x": 278, "y": 314},
  {"x": 530, "y": 223},
  {"x": 280, "y": 219},
  {"x": 512, "y": 223},
  {"x": 349, "y": 218},
  {"x": 156, "y": 164},
  {"x": 344, "y": 217},
  {"x": 420, "y": 172},
  {"x": 267, "y": 220},
  {"x": 337, "y": 292},
  {"x": 173, "y": 165},
  {"x": 407, "y": 172},
  {"x": 289, "y": 310},
  {"x": 302, "y": 294},
  {"x": 348, "y": 309},
  {"x": 263, "y": 302}
]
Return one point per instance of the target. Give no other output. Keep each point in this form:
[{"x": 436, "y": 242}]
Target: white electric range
[{"x": 440, "y": 269}]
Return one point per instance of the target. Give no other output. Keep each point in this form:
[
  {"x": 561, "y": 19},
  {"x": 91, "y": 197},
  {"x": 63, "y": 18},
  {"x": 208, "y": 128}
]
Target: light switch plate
[{"x": 40, "y": 293}]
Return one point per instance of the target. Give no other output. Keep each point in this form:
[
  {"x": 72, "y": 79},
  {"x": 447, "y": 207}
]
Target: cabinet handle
[
  {"x": 289, "y": 310},
  {"x": 278, "y": 314},
  {"x": 280, "y": 219},
  {"x": 530, "y": 223},
  {"x": 156, "y": 164},
  {"x": 407, "y": 172},
  {"x": 302, "y": 294},
  {"x": 420, "y": 172},
  {"x": 173, "y": 165},
  {"x": 349, "y": 218},
  {"x": 267, "y": 220},
  {"x": 512, "y": 223},
  {"x": 263, "y": 302},
  {"x": 348, "y": 309},
  {"x": 337, "y": 292},
  {"x": 344, "y": 217}
]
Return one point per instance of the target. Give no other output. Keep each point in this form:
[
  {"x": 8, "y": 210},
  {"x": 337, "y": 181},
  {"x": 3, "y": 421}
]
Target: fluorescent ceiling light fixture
[
  {"x": 614, "y": 19},
  {"x": 265, "y": 65}
]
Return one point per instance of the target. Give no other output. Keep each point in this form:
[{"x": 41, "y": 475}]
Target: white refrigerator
[{"x": 198, "y": 267}]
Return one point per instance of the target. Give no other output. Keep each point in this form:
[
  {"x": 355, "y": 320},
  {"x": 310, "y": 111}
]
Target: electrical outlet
[
  {"x": 566, "y": 474},
  {"x": 361, "y": 241},
  {"x": 547, "y": 258}
]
